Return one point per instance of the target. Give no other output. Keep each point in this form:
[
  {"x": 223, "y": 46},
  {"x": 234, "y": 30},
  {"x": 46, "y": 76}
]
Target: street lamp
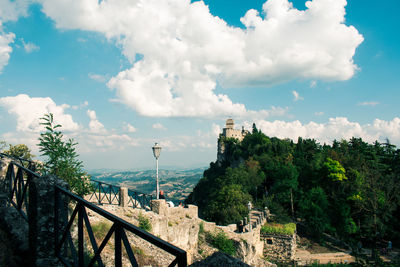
[{"x": 156, "y": 152}]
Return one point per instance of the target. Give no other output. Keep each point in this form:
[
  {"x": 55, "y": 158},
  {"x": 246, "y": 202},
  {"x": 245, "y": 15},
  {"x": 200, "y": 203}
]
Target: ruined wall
[{"x": 279, "y": 247}]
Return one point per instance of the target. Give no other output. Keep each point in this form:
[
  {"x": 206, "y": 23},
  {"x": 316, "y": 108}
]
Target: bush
[
  {"x": 280, "y": 229},
  {"x": 144, "y": 223},
  {"x": 221, "y": 241}
]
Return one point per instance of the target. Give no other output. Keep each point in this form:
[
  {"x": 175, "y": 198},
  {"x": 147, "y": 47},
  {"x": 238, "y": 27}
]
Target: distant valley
[{"x": 177, "y": 184}]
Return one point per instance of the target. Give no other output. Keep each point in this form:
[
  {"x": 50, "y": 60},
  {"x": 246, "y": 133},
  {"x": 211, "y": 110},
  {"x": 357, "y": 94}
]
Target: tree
[
  {"x": 19, "y": 151},
  {"x": 229, "y": 205},
  {"x": 3, "y": 145},
  {"x": 313, "y": 207},
  {"x": 62, "y": 159}
]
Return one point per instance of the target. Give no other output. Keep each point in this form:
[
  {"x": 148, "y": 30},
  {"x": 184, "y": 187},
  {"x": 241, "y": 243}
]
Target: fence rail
[
  {"x": 105, "y": 193},
  {"x": 139, "y": 200},
  {"x": 17, "y": 185},
  {"x": 72, "y": 256}
]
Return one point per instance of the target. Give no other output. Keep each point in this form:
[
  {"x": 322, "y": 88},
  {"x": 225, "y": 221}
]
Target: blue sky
[{"x": 121, "y": 76}]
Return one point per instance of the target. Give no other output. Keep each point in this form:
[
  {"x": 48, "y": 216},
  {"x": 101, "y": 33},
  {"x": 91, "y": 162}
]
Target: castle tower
[{"x": 229, "y": 132}]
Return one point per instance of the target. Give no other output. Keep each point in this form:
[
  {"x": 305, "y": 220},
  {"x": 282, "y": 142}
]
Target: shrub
[
  {"x": 144, "y": 223},
  {"x": 221, "y": 241},
  {"x": 280, "y": 229}
]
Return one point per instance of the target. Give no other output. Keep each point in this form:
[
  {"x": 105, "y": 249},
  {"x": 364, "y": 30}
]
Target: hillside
[
  {"x": 177, "y": 184},
  {"x": 350, "y": 189}
]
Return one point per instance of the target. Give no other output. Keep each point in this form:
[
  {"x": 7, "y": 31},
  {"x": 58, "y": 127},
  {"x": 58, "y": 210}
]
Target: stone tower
[{"x": 228, "y": 132}]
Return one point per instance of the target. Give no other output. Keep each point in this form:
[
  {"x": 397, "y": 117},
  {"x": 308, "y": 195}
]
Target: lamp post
[{"x": 156, "y": 152}]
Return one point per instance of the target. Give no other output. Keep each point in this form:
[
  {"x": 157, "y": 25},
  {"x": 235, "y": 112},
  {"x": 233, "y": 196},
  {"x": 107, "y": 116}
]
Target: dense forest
[{"x": 350, "y": 189}]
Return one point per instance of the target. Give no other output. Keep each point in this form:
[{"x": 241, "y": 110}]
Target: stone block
[{"x": 123, "y": 197}]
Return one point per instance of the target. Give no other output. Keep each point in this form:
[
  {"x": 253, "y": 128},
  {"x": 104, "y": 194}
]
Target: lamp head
[{"x": 156, "y": 150}]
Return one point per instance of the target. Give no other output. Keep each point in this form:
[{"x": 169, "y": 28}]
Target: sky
[{"x": 120, "y": 75}]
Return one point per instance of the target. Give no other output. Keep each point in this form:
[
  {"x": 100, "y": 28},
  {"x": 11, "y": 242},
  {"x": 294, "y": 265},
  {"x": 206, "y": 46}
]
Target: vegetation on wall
[{"x": 350, "y": 189}]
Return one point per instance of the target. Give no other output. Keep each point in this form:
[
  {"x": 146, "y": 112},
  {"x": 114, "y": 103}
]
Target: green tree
[
  {"x": 313, "y": 207},
  {"x": 20, "y": 151},
  {"x": 335, "y": 170},
  {"x": 3, "y": 145},
  {"x": 62, "y": 159},
  {"x": 229, "y": 205}
]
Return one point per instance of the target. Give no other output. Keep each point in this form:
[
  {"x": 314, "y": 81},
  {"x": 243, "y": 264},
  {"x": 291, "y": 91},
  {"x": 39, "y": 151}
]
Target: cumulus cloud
[
  {"x": 95, "y": 126},
  {"x": 9, "y": 11},
  {"x": 159, "y": 126},
  {"x": 129, "y": 128},
  {"x": 12, "y": 10},
  {"x": 5, "y": 49},
  {"x": 372, "y": 103},
  {"x": 186, "y": 51},
  {"x": 28, "y": 110},
  {"x": 296, "y": 96},
  {"x": 336, "y": 128}
]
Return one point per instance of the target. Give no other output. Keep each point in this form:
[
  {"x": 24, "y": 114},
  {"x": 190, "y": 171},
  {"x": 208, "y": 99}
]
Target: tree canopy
[{"x": 350, "y": 189}]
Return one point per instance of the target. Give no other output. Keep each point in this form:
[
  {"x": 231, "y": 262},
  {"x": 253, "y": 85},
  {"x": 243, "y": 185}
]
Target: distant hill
[{"x": 177, "y": 184}]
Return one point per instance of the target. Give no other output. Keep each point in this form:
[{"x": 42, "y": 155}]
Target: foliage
[
  {"x": 144, "y": 223},
  {"x": 350, "y": 188},
  {"x": 19, "y": 151},
  {"x": 62, "y": 159},
  {"x": 3, "y": 145},
  {"x": 221, "y": 241},
  {"x": 281, "y": 229},
  {"x": 313, "y": 207},
  {"x": 336, "y": 172}
]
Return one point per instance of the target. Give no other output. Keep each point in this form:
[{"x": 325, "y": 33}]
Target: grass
[
  {"x": 279, "y": 229},
  {"x": 100, "y": 229}
]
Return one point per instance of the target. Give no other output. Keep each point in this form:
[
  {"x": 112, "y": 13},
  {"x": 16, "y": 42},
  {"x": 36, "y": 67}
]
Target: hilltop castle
[{"x": 229, "y": 132}]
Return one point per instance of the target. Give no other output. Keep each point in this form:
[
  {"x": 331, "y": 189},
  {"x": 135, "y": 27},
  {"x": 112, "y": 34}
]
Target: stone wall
[{"x": 279, "y": 248}]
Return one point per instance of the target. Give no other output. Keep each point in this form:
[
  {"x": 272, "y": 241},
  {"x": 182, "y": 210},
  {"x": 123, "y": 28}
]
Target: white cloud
[
  {"x": 187, "y": 51},
  {"x": 91, "y": 143},
  {"x": 9, "y": 11},
  {"x": 129, "y": 128},
  {"x": 159, "y": 126},
  {"x": 296, "y": 96},
  {"x": 336, "y": 128},
  {"x": 319, "y": 113},
  {"x": 5, "y": 49},
  {"x": 28, "y": 110},
  {"x": 95, "y": 126},
  {"x": 98, "y": 77},
  {"x": 372, "y": 103},
  {"x": 30, "y": 47}
]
